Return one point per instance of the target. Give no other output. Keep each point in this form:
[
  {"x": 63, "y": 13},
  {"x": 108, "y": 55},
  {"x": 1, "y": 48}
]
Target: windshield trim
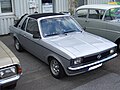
[{"x": 77, "y": 29}]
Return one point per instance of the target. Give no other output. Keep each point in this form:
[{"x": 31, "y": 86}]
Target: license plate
[{"x": 94, "y": 67}]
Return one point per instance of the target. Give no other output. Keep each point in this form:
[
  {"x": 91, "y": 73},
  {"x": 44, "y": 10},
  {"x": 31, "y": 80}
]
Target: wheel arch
[
  {"x": 118, "y": 44},
  {"x": 50, "y": 57},
  {"x": 118, "y": 40},
  {"x": 53, "y": 57},
  {"x": 15, "y": 37}
]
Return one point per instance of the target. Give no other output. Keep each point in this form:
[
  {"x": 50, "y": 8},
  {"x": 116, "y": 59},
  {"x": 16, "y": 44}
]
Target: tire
[
  {"x": 118, "y": 45},
  {"x": 17, "y": 45},
  {"x": 12, "y": 86},
  {"x": 56, "y": 69},
  {"x": 1, "y": 88}
]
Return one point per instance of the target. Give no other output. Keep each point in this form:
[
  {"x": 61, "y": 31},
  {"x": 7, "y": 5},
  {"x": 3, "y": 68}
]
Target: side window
[
  {"x": 24, "y": 24},
  {"x": 96, "y": 14},
  {"x": 111, "y": 14},
  {"x": 108, "y": 15},
  {"x": 82, "y": 13},
  {"x": 18, "y": 21},
  {"x": 32, "y": 26}
]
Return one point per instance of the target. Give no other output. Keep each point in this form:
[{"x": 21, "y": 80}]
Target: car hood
[
  {"x": 7, "y": 58},
  {"x": 80, "y": 44}
]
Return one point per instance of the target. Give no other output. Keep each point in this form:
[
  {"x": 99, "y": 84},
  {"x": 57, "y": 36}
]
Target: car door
[
  {"x": 21, "y": 32},
  {"x": 91, "y": 20},
  {"x": 95, "y": 24},
  {"x": 29, "y": 41},
  {"x": 32, "y": 43}
]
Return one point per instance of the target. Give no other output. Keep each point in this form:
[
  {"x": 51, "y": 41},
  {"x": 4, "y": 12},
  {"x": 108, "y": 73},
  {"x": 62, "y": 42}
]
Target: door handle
[{"x": 24, "y": 35}]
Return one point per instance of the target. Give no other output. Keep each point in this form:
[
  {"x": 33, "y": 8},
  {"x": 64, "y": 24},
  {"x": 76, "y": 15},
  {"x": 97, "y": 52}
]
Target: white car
[{"x": 10, "y": 69}]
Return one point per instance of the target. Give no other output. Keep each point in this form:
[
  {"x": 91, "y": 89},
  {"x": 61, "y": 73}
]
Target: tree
[{"x": 72, "y": 6}]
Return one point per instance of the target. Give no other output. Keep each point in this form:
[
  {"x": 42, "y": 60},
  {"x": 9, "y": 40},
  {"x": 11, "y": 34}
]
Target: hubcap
[
  {"x": 17, "y": 45},
  {"x": 54, "y": 65}
]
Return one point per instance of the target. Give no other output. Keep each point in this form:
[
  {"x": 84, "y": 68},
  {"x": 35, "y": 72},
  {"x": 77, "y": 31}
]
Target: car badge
[{"x": 99, "y": 56}]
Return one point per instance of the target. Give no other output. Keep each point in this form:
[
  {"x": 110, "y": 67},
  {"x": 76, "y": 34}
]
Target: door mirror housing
[
  {"x": 36, "y": 35},
  {"x": 84, "y": 28}
]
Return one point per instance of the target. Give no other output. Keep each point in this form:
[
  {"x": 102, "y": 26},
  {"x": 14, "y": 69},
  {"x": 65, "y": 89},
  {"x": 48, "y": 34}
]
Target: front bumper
[
  {"x": 87, "y": 67},
  {"x": 9, "y": 80}
]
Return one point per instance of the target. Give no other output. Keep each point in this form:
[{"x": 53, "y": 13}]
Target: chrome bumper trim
[
  {"x": 9, "y": 79},
  {"x": 91, "y": 64}
]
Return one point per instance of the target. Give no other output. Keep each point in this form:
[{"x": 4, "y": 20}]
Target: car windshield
[
  {"x": 113, "y": 14},
  {"x": 58, "y": 25}
]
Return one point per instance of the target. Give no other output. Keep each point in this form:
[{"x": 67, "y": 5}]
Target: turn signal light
[{"x": 19, "y": 70}]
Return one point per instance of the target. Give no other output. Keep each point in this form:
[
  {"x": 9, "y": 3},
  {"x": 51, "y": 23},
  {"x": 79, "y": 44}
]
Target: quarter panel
[{"x": 114, "y": 31}]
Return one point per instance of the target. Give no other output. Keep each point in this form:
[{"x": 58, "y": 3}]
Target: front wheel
[{"x": 56, "y": 69}]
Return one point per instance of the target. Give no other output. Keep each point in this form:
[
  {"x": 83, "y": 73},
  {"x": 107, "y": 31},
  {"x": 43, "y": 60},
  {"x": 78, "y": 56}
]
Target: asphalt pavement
[{"x": 36, "y": 74}]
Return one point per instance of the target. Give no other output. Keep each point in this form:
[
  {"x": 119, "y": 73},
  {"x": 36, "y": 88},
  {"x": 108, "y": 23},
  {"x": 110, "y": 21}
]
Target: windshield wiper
[
  {"x": 71, "y": 31},
  {"x": 51, "y": 34}
]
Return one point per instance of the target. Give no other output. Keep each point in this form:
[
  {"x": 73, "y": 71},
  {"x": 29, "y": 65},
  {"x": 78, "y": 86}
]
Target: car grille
[{"x": 96, "y": 57}]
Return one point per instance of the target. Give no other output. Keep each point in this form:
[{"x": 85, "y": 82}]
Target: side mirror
[
  {"x": 84, "y": 28},
  {"x": 36, "y": 35}
]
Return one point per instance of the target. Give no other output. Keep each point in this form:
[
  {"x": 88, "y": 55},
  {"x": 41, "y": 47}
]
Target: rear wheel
[
  {"x": 17, "y": 45},
  {"x": 56, "y": 69}
]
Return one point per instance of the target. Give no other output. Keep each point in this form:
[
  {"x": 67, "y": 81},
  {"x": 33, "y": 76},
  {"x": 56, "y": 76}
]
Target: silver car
[
  {"x": 59, "y": 41},
  {"x": 100, "y": 19}
]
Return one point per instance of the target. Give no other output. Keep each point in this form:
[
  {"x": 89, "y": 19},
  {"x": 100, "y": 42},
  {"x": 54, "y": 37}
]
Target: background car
[
  {"x": 100, "y": 19},
  {"x": 114, "y": 3},
  {"x": 59, "y": 41},
  {"x": 10, "y": 69}
]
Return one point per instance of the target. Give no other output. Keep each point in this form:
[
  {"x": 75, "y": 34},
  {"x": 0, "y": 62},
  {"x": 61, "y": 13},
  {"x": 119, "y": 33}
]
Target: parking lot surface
[{"x": 36, "y": 74}]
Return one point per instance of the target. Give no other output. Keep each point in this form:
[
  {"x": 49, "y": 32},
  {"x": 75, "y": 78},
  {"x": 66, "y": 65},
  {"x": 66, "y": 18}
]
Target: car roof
[
  {"x": 99, "y": 6},
  {"x": 40, "y": 15}
]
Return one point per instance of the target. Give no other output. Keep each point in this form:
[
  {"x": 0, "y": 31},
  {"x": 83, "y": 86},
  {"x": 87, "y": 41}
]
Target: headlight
[
  {"x": 76, "y": 61},
  {"x": 113, "y": 50},
  {"x": 7, "y": 72},
  {"x": 1, "y": 74}
]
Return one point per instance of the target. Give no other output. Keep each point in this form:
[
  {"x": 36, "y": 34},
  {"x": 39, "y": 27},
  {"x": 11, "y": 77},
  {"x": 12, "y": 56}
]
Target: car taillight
[{"x": 19, "y": 70}]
